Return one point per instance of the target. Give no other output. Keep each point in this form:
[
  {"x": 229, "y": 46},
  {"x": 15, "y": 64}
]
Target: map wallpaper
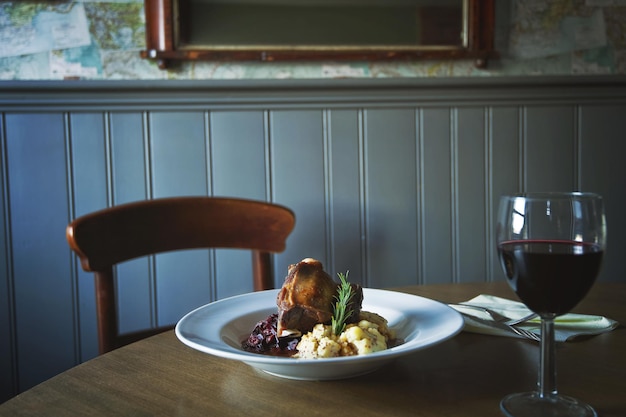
[{"x": 101, "y": 40}]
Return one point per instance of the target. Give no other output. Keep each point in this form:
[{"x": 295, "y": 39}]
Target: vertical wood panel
[
  {"x": 178, "y": 154},
  {"x": 436, "y": 196},
  {"x": 183, "y": 283},
  {"x": 8, "y": 371},
  {"x": 347, "y": 234},
  {"x": 128, "y": 155},
  {"x": 129, "y": 182},
  {"x": 299, "y": 181},
  {"x": 391, "y": 195},
  {"x": 471, "y": 200},
  {"x": 238, "y": 162},
  {"x": 550, "y": 148},
  {"x": 89, "y": 191},
  {"x": 238, "y": 154},
  {"x": 504, "y": 168},
  {"x": 603, "y": 171},
  {"x": 44, "y": 292},
  {"x": 179, "y": 167}
]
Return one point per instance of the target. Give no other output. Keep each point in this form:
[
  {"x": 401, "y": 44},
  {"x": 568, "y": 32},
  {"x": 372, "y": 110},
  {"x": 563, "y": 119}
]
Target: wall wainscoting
[{"x": 396, "y": 181}]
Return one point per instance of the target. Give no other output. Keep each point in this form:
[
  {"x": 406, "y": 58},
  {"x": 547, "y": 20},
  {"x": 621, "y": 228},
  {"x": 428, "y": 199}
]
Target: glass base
[{"x": 530, "y": 404}]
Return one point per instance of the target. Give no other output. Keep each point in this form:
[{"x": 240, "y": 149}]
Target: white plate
[{"x": 219, "y": 328}]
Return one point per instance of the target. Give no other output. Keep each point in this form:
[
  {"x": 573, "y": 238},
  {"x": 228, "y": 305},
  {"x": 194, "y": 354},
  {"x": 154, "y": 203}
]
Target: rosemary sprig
[{"x": 343, "y": 297}]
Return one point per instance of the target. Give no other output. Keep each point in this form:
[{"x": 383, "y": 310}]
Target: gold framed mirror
[{"x": 315, "y": 30}]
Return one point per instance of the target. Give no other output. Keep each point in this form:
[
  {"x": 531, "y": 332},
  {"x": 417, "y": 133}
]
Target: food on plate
[
  {"x": 370, "y": 334},
  {"x": 319, "y": 318},
  {"x": 307, "y": 295}
]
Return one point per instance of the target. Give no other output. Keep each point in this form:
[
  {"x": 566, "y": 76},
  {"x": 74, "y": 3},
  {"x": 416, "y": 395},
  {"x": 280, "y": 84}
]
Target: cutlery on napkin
[{"x": 566, "y": 327}]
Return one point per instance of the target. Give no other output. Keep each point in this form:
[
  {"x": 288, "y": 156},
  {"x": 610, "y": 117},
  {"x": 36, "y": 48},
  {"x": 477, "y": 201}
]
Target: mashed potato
[{"x": 370, "y": 334}]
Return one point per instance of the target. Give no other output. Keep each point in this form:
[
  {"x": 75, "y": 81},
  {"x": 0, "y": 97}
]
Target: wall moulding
[{"x": 294, "y": 93}]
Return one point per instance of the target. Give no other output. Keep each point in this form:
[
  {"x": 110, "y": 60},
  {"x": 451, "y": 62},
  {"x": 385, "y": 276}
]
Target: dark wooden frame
[{"x": 163, "y": 18}]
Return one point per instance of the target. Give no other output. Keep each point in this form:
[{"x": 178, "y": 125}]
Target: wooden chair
[{"x": 105, "y": 238}]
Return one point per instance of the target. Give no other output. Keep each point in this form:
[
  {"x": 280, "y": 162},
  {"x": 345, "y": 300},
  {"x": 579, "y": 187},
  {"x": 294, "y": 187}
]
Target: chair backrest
[{"x": 107, "y": 237}]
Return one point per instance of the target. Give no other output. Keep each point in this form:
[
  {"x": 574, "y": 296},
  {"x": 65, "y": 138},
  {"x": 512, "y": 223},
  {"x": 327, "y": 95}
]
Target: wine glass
[{"x": 550, "y": 246}]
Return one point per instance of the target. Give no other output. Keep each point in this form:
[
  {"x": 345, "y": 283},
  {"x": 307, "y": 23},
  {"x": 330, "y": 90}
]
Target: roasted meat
[{"x": 307, "y": 297}]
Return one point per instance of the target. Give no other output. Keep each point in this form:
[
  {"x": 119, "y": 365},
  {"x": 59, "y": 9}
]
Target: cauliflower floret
[
  {"x": 318, "y": 343},
  {"x": 328, "y": 348},
  {"x": 365, "y": 337},
  {"x": 361, "y": 338}
]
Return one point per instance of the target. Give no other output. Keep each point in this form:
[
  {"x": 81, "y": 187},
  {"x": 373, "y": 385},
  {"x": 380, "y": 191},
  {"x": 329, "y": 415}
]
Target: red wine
[{"x": 550, "y": 277}]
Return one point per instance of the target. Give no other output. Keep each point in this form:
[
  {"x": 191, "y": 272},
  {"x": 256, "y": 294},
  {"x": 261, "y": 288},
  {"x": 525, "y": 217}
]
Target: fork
[
  {"x": 526, "y": 333},
  {"x": 506, "y": 327},
  {"x": 497, "y": 316}
]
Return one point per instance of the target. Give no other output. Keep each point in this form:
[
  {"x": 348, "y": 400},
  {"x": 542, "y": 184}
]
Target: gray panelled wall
[{"x": 396, "y": 181}]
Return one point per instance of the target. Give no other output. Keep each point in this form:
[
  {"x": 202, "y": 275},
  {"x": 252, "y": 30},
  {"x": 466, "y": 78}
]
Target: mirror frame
[{"x": 164, "y": 17}]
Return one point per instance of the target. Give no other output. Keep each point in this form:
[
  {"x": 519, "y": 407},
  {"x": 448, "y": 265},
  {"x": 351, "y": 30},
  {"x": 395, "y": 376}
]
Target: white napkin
[{"x": 566, "y": 327}]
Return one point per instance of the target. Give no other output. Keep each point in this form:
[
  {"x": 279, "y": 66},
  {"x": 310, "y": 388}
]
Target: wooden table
[{"x": 464, "y": 376}]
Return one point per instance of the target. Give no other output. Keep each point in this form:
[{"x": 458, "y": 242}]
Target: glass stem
[{"x": 546, "y": 384}]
